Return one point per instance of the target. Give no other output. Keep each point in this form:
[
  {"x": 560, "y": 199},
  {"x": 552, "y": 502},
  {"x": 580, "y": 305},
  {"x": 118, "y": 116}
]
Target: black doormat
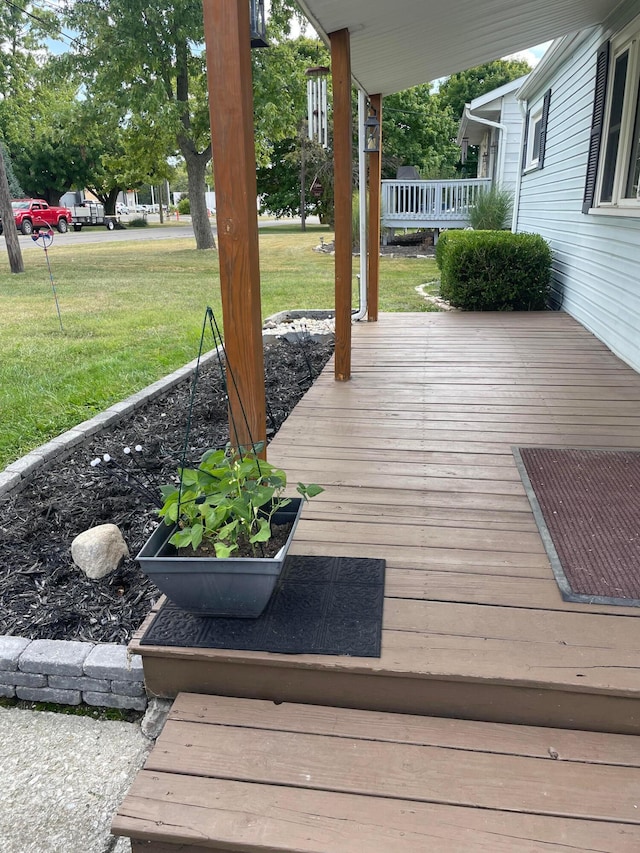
[
  {"x": 321, "y": 606},
  {"x": 587, "y": 508}
]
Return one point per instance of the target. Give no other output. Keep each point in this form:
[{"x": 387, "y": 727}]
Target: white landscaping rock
[
  {"x": 99, "y": 550},
  {"x": 301, "y": 328}
]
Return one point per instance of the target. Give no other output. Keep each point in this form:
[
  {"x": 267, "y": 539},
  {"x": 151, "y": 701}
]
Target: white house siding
[
  {"x": 512, "y": 119},
  {"x": 596, "y": 258}
]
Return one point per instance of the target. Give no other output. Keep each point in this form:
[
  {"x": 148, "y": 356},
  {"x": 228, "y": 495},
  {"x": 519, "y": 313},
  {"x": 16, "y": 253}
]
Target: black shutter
[
  {"x": 525, "y": 141},
  {"x": 544, "y": 119},
  {"x": 599, "y": 101}
]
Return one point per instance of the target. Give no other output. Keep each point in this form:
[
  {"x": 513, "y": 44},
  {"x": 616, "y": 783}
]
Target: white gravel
[
  {"x": 63, "y": 778},
  {"x": 307, "y": 325}
]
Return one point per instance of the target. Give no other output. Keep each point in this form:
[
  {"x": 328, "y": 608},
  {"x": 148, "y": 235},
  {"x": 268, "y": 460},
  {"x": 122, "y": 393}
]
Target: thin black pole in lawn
[{"x": 44, "y": 236}]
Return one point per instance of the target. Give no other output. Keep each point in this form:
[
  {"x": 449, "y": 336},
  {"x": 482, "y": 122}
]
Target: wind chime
[{"x": 318, "y": 118}]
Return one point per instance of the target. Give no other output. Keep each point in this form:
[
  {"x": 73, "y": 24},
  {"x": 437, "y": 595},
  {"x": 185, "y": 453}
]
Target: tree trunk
[
  {"x": 108, "y": 199},
  {"x": 196, "y": 168},
  {"x": 6, "y": 213}
]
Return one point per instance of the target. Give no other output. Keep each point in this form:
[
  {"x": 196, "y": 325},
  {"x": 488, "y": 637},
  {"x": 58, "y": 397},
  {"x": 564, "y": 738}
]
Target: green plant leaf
[
  {"x": 197, "y": 532},
  {"x": 182, "y": 538},
  {"x": 228, "y": 529},
  {"x": 188, "y": 476},
  {"x": 262, "y": 495},
  {"x": 263, "y": 534},
  {"x": 212, "y": 458},
  {"x": 309, "y": 491},
  {"x": 223, "y": 551}
]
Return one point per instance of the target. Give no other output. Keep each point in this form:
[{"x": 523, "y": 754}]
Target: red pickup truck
[{"x": 29, "y": 213}]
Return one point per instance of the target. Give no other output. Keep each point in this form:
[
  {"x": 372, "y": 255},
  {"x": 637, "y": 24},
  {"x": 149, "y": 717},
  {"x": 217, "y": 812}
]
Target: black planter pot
[{"x": 209, "y": 586}]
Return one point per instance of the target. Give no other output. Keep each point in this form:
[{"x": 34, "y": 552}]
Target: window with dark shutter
[
  {"x": 543, "y": 128},
  {"x": 599, "y": 101},
  {"x": 535, "y": 134}
]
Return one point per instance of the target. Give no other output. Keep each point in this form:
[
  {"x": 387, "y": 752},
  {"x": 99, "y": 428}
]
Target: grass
[
  {"x": 96, "y": 713},
  {"x": 133, "y": 312}
]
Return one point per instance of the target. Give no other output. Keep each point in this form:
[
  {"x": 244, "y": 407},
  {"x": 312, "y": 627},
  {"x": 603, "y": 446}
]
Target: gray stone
[
  {"x": 99, "y": 550},
  {"x": 26, "y": 464},
  {"x": 121, "y": 409},
  {"x": 7, "y": 691},
  {"x": 8, "y": 481},
  {"x": 23, "y": 679},
  {"x": 110, "y": 700},
  {"x": 128, "y": 688},
  {"x": 73, "y": 682},
  {"x": 62, "y": 442},
  {"x": 48, "y": 694},
  {"x": 114, "y": 662},
  {"x": 55, "y": 657},
  {"x": 10, "y": 650},
  {"x": 156, "y": 716},
  {"x": 98, "y": 422}
]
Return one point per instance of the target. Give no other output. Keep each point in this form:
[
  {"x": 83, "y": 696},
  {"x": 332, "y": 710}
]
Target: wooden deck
[
  {"x": 498, "y": 717},
  {"x": 415, "y": 456}
]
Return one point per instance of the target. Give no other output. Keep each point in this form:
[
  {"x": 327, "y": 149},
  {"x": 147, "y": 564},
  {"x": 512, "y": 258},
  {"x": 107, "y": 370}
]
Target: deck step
[{"x": 231, "y": 774}]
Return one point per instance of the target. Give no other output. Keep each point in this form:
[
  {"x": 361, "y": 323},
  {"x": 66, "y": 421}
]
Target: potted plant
[{"x": 227, "y": 529}]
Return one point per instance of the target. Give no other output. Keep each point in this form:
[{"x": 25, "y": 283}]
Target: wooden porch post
[
  {"x": 227, "y": 37},
  {"x": 375, "y": 187},
  {"x": 342, "y": 179}
]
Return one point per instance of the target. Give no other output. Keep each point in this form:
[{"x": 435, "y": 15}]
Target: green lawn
[{"x": 132, "y": 312}]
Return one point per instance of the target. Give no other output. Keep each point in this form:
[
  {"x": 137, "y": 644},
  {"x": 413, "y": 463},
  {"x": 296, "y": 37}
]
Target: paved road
[{"x": 98, "y": 234}]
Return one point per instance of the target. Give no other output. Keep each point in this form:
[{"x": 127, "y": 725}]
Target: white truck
[{"x": 91, "y": 213}]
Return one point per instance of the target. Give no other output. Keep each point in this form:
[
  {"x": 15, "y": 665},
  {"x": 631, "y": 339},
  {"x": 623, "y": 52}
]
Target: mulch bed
[{"x": 42, "y": 594}]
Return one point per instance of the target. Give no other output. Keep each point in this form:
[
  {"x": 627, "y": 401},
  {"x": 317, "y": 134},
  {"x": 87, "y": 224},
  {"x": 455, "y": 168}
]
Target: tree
[
  {"x": 48, "y": 158},
  {"x": 280, "y": 102},
  {"x": 418, "y": 130},
  {"x": 461, "y": 88},
  {"x": 6, "y": 213},
  {"x": 15, "y": 189},
  {"x": 148, "y": 60},
  {"x": 23, "y": 35}
]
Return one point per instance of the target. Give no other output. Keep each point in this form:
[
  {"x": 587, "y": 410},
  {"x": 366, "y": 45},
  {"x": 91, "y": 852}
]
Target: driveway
[{"x": 98, "y": 234}]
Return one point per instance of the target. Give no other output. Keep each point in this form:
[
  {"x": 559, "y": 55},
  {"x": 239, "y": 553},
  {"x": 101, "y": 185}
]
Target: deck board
[
  {"x": 415, "y": 454},
  {"x": 252, "y": 776}
]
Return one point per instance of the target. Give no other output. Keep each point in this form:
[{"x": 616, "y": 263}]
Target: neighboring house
[
  {"x": 493, "y": 122},
  {"x": 580, "y": 175}
]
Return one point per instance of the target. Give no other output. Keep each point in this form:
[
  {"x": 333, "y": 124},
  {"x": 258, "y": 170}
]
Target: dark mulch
[
  {"x": 42, "y": 594},
  {"x": 587, "y": 503}
]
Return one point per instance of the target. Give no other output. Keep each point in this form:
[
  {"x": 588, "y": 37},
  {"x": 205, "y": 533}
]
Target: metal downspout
[
  {"x": 516, "y": 200},
  {"x": 503, "y": 138}
]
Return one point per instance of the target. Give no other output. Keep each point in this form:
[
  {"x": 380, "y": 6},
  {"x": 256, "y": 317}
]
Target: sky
[{"x": 533, "y": 55}]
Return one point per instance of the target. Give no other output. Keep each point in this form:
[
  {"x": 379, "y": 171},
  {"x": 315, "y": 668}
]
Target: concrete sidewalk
[{"x": 63, "y": 778}]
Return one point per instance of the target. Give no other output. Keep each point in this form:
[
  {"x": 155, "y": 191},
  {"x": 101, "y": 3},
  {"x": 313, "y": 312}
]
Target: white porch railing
[{"x": 429, "y": 204}]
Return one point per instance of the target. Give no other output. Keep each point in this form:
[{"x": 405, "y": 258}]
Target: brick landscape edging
[{"x": 68, "y": 672}]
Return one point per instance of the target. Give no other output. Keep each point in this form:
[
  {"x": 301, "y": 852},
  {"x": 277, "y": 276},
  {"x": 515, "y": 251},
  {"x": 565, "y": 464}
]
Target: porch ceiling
[{"x": 398, "y": 45}]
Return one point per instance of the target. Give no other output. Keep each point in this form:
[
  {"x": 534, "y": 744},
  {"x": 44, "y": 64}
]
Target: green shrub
[
  {"x": 139, "y": 222},
  {"x": 492, "y": 210},
  {"x": 494, "y": 270},
  {"x": 184, "y": 206}
]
